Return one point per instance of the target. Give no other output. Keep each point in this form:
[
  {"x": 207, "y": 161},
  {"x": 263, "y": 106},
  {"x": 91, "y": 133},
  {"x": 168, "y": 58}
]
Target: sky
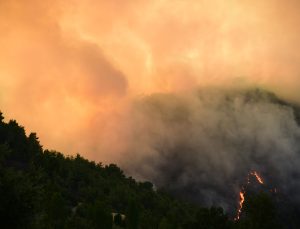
[{"x": 72, "y": 71}]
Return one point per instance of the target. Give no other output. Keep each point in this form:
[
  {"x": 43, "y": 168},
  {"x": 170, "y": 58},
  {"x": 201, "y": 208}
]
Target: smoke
[
  {"x": 117, "y": 81},
  {"x": 201, "y": 145},
  {"x": 52, "y": 81}
]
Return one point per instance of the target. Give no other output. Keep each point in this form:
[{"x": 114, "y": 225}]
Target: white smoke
[{"x": 201, "y": 145}]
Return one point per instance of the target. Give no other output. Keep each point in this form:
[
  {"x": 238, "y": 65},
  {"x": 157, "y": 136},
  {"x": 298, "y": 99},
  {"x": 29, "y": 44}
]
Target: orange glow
[
  {"x": 77, "y": 65},
  {"x": 241, "y": 202},
  {"x": 243, "y": 192},
  {"x": 258, "y": 178}
]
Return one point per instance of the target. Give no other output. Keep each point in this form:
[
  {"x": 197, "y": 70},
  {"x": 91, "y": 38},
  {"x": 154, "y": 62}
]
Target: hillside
[{"x": 45, "y": 189}]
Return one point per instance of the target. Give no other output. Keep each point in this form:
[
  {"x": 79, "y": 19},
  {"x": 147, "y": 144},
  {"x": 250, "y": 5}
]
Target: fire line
[{"x": 243, "y": 192}]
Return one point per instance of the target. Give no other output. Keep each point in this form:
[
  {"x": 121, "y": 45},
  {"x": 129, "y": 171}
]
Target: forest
[{"x": 45, "y": 189}]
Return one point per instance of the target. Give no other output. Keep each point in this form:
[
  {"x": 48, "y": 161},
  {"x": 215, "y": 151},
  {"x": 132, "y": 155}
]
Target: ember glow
[
  {"x": 258, "y": 178},
  {"x": 243, "y": 192},
  {"x": 241, "y": 202},
  {"x": 82, "y": 63},
  {"x": 166, "y": 89}
]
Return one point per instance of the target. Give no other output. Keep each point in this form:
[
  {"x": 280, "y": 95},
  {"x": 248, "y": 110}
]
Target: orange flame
[
  {"x": 242, "y": 193},
  {"x": 242, "y": 200},
  {"x": 258, "y": 178}
]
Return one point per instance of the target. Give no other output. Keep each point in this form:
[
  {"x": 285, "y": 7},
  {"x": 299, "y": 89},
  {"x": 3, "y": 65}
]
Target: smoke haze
[
  {"x": 161, "y": 87},
  {"x": 202, "y": 145}
]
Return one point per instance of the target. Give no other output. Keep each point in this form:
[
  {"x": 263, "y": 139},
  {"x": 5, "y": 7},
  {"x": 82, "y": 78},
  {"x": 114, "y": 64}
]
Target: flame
[
  {"x": 242, "y": 200},
  {"x": 258, "y": 178},
  {"x": 243, "y": 192}
]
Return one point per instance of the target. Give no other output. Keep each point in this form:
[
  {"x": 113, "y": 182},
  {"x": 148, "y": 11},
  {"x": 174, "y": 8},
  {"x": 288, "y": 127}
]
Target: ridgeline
[{"x": 45, "y": 189}]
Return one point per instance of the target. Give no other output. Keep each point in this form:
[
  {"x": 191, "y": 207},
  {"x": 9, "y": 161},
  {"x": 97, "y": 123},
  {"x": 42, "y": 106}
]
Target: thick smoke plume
[
  {"x": 202, "y": 145},
  {"x": 115, "y": 80}
]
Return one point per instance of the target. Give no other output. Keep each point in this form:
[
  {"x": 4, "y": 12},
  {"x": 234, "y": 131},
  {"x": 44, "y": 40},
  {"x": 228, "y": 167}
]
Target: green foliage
[
  {"x": 46, "y": 190},
  {"x": 213, "y": 218},
  {"x": 55, "y": 209},
  {"x": 132, "y": 219},
  {"x": 259, "y": 213},
  {"x": 165, "y": 224},
  {"x": 17, "y": 199},
  {"x": 119, "y": 221},
  {"x": 100, "y": 215}
]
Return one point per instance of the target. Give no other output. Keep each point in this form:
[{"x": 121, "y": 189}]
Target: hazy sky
[{"x": 70, "y": 69}]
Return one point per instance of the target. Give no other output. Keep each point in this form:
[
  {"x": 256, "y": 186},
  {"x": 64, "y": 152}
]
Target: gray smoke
[{"x": 201, "y": 145}]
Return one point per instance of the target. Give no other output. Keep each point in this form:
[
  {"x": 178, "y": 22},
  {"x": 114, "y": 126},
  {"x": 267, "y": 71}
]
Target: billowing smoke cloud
[
  {"x": 202, "y": 145},
  {"x": 116, "y": 81},
  {"x": 52, "y": 81}
]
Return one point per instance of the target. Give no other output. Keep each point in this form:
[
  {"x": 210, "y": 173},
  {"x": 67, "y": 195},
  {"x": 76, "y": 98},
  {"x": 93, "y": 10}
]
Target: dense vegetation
[{"x": 45, "y": 189}]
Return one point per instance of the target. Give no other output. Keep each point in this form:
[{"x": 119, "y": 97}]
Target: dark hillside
[{"x": 45, "y": 189}]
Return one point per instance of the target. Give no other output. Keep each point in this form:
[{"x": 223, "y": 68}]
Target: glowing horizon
[{"x": 70, "y": 69}]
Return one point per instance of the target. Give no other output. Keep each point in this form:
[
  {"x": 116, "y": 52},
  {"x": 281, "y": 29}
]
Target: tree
[
  {"x": 260, "y": 213},
  {"x": 56, "y": 210},
  {"x": 119, "y": 221},
  {"x": 101, "y": 216},
  {"x": 132, "y": 219},
  {"x": 165, "y": 224},
  {"x": 17, "y": 199}
]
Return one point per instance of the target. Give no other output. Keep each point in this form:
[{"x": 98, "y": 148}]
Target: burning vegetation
[
  {"x": 190, "y": 146},
  {"x": 242, "y": 193}
]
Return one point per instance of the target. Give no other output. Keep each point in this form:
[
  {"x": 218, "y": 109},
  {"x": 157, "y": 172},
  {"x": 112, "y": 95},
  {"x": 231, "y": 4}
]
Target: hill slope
[{"x": 45, "y": 189}]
